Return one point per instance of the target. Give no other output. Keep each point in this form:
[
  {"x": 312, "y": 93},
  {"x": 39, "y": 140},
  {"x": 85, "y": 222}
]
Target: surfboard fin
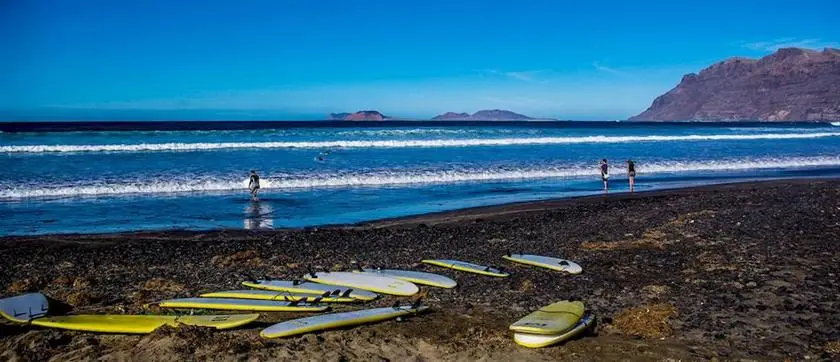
[
  {"x": 335, "y": 292},
  {"x": 507, "y": 253},
  {"x": 248, "y": 277},
  {"x": 347, "y": 293},
  {"x": 564, "y": 263},
  {"x": 296, "y": 282},
  {"x": 325, "y": 294},
  {"x": 317, "y": 300}
]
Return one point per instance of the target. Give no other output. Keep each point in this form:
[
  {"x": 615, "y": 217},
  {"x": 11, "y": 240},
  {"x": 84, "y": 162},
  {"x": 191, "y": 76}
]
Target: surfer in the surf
[
  {"x": 631, "y": 173},
  {"x": 605, "y": 173},
  {"x": 322, "y": 156},
  {"x": 254, "y": 184}
]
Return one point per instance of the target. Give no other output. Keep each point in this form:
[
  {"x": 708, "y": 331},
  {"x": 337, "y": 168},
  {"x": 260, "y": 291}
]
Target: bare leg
[{"x": 632, "y": 183}]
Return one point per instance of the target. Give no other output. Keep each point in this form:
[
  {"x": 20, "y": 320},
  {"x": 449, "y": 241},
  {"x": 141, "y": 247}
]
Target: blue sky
[{"x": 306, "y": 58}]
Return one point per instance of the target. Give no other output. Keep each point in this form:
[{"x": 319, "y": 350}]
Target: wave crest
[
  {"x": 387, "y": 178},
  {"x": 427, "y": 143}
]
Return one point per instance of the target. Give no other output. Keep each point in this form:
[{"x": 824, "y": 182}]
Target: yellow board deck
[
  {"x": 141, "y": 324},
  {"x": 552, "y": 319},
  {"x": 467, "y": 267}
]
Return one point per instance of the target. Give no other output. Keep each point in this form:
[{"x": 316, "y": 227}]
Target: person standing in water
[
  {"x": 254, "y": 184},
  {"x": 605, "y": 173},
  {"x": 631, "y": 173}
]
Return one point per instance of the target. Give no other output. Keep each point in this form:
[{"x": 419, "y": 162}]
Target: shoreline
[
  {"x": 468, "y": 213},
  {"x": 743, "y": 270},
  {"x": 513, "y": 208}
]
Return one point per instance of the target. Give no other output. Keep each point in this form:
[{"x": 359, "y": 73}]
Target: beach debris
[
  {"x": 161, "y": 285},
  {"x": 24, "y": 285},
  {"x": 81, "y": 298},
  {"x": 833, "y": 347},
  {"x": 649, "y": 321},
  {"x": 244, "y": 257},
  {"x": 655, "y": 291}
]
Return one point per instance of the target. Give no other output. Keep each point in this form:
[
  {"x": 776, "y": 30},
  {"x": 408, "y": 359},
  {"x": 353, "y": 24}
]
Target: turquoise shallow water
[{"x": 82, "y": 178}]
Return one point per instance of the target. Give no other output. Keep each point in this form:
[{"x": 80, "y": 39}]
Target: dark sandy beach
[{"x": 734, "y": 271}]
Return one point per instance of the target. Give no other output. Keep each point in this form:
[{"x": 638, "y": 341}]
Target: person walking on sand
[
  {"x": 631, "y": 173},
  {"x": 254, "y": 184},
  {"x": 605, "y": 173}
]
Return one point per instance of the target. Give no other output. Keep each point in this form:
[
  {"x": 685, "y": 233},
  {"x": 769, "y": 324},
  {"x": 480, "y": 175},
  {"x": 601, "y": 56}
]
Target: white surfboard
[
  {"x": 542, "y": 340},
  {"x": 337, "y": 320},
  {"x": 435, "y": 280},
  {"x": 241, "y": 304},
  {"x": 327, "y": 297},
  {"x": 297, "y": 286},
  {"x": 467, "y": 267},
  {"x": 25, "y": 307},
  {"x": 379, "y": 284},
  {"x": 546, "y": 262}
]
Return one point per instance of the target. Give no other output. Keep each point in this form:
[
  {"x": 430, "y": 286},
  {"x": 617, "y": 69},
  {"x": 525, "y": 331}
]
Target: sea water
[{"x": 106, "y": 177}]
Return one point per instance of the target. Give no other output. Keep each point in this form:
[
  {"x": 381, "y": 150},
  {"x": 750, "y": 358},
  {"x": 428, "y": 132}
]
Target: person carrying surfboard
[
  {"x": 605, "y": 172},
  {"x": 254, "y": 184}
]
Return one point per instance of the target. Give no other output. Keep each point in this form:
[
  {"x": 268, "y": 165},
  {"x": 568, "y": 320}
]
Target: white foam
[
  {"x": 405, "y": 177},
  {"x": 473, "y": 142}
]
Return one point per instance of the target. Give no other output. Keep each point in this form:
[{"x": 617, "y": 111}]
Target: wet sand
[{"x": 732, "y": 271}]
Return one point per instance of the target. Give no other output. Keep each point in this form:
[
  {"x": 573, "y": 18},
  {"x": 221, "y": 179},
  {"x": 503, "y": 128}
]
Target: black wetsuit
[
  {"x": 631, "y": 169},
  {"x": 605, "y": 171},
  {"x": 254, "y": 183}
]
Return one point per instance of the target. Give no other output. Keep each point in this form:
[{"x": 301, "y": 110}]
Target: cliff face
[
  {"x": 789, "y": 85},
  {"x": 359, "y": 116},
  {"x": 483, "y": 115}
]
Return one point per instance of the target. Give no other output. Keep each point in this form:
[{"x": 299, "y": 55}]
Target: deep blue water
[{"x": 107, "y": 176}]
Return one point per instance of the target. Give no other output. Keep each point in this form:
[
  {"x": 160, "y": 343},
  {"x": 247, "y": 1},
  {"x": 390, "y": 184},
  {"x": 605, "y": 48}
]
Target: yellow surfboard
[
  {"x": 373, "y": 283},
  {"x": 467, "y": 267},
  {"x": 296, "y": 286},
  {"x": 337, "y": 320},
  {"x": 281, "y": 296},
  {"x": 543, "y": 340},
  {"x": 241, "y": 304},
  {"x": 545, "y": 262},
  {"x": 552, "y": 319},
  {"x": 141, "y": 324}
]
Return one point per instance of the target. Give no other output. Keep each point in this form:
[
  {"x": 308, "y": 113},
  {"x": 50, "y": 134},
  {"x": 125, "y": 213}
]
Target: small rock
[{"x": 751, "y": 285}]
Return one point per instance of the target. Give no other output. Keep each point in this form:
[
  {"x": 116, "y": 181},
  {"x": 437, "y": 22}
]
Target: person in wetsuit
[
  {"x": 605, "y": 172},
  {"x": 631, "y": 173},
  {"x": 254, "y": 184}
]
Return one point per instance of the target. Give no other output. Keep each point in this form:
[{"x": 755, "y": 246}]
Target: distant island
[
  {"x": 791, "y": 84},
  {"x": 483, "y": 115},
  {"x": 359, "y": 116}
]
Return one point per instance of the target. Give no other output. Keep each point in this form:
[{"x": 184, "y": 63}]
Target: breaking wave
[
  {"x": 473, "y": 142},
  {"x": 400, "y": 177}
]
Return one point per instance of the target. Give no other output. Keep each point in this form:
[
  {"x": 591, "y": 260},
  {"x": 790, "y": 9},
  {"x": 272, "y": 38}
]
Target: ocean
[{"x": 99, "y": 177}]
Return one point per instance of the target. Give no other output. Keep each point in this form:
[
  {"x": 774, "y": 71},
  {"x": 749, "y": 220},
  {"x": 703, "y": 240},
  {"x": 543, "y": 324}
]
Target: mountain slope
[{"x": 791, "y": 84}]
